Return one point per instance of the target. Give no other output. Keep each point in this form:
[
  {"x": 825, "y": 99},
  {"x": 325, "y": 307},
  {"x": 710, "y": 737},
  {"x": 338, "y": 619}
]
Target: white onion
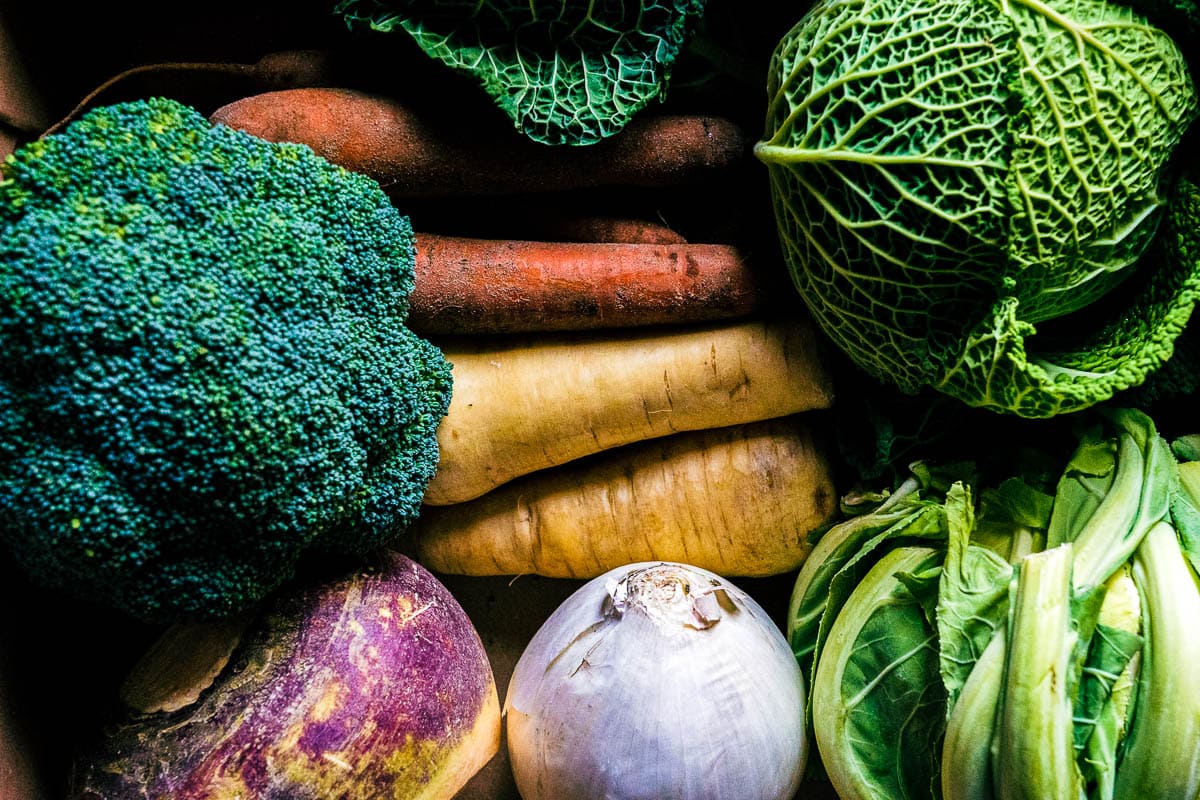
[{"x": 657, "y": 681}]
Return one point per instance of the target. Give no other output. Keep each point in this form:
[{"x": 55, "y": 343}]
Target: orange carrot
[
  {"x": 417, "y": 156},
  {"x": 489, "y": 286}
]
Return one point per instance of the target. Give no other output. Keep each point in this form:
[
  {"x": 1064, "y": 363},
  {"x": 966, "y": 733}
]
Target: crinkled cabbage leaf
[
  {"x": 566, "y": 72},
  {"x": 952, "y": 177}
]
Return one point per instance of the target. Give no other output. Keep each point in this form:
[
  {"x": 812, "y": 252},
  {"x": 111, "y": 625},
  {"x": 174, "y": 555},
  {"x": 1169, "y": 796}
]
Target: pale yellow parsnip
[
  {"x": 524, "y": 404},
  {"x": 738, "y": 500}
]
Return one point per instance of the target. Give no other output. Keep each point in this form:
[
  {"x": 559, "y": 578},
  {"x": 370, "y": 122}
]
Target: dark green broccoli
[{"x": 206, "y": 365}]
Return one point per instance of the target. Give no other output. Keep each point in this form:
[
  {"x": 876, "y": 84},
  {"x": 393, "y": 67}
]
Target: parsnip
[
  {"x": 524, "y": 404},
  {"x": 737, "y": 500}
]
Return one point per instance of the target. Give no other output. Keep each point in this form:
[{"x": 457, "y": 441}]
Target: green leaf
[
  {"x": 1185, "y": 511},
  {"x": 1120, "y": 612},
  {"x": 878, "y": 704},
  {"x": 1099, "y": 721},
  {"x": 1013, "y": 519},
  {"x": 972, "y": 599},
  {"x": 565, "y": 72},
  {"x": 841, "y": 558},
  {"x": 1109, "y": 654}
]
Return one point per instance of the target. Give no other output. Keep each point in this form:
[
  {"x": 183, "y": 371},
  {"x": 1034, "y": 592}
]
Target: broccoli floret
[{"x": 206, "y": 365}]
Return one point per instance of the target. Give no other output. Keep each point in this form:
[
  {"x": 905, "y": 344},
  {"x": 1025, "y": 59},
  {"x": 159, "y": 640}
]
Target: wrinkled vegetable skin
[
  {"x": 373, "y": 686},
  {"x": 522, "y": 404},
  {"x": 739, "y": 500}
]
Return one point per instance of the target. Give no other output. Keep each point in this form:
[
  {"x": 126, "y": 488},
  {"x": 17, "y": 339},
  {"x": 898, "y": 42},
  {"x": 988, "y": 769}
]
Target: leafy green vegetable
[
  {"x": 1067, "y": 673},
  {"x": 1035, "y": 750},
  {"x": 207, "y": 369},
  {"x": 565, "y": 72},
  {"x": 1161, "y": 758},
  {"x": 972, "y": 598},
  {"x": 958, "y": 184},
  {"x": 1112, "y": 651},
  {"x": 882, "y": 679},
  {"x": 843, "y": 555}
]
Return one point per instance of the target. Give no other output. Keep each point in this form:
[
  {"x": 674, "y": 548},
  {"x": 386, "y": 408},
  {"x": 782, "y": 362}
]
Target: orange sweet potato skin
[{"x": 411, "y": 156}]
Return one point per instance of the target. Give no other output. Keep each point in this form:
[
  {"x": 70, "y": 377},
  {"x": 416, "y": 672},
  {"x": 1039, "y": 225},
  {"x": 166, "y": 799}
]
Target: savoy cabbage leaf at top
[
  {"x": 949, "y": 175},
  {"x": 566, "y": 72}
]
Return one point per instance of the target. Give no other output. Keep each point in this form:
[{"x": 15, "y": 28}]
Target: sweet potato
[
  {"x": 411, "y": 156},
  {"x": 521, "y": 404},
  {"x": 466, "y": 286},
  {"x": 375, "y": 684},
  {"x": 738, "y": 501}
]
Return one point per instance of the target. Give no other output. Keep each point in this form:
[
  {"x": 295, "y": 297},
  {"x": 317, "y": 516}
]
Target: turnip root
[
  {"x": 739, "y": 500},
  {"x": 375, "y": 685},
  {"x": 521, "y": 405}
]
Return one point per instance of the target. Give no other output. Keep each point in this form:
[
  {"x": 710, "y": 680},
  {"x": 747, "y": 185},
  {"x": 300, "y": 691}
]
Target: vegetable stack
[
  {"x": 1038, "y": 644},
  {"x": 614, "y": 401}
]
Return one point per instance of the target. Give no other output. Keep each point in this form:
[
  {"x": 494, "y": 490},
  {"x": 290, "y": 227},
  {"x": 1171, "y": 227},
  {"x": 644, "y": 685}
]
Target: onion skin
[
  {"x": 657, "y": 681},
  {"x": 376, "y": 685}
]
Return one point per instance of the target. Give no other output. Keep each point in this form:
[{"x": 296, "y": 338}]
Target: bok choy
[{"x": 1020, "y": 639}]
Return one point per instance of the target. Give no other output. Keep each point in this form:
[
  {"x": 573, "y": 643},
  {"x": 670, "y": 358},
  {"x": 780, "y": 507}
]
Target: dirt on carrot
[{"x": 476, "y": 286}]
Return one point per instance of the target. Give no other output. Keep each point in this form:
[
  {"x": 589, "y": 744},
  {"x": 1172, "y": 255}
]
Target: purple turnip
[{"x": 375, "y": 685}]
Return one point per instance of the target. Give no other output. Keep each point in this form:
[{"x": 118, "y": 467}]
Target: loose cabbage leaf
[
  {"x": 1120, "y": 655},
  {"x": 844, "y": 555},
  {"x": 884, "y": 740},
  {"x": 1097, "y": 718},
  {"x": 948, "y": 175},
  {"x": 972, "y": 598},
  {"x": 565, "y": 72}
]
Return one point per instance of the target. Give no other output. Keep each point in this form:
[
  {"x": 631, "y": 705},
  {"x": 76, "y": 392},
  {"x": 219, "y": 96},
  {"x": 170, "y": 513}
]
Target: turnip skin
[{"x": 375, "y": 685}]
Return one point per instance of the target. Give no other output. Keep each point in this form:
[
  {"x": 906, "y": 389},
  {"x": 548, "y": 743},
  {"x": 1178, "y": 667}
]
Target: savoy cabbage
[
  {"x": 960, "y": 185},
  {"x": 564, "y": 72}
]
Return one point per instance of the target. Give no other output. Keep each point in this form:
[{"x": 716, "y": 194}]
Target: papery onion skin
[{"x": 622, "y": 697}]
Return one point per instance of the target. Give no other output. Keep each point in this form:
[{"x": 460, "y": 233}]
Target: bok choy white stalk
[
  {"x": 1036, "y": 751},
  {"x": 1162, "y": 753}
]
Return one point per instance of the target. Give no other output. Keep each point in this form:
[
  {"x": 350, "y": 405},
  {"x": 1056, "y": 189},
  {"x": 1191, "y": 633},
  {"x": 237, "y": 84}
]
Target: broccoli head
[{"x": 207, "y": 369}]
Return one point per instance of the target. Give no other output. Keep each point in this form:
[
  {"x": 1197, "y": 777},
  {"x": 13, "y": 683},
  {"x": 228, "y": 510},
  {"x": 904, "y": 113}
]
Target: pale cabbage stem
[{"x": 781, "y": 154}]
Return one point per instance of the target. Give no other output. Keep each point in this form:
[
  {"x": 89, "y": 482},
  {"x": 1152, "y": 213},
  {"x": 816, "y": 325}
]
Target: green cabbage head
[{"x": 961, "y": 186}]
